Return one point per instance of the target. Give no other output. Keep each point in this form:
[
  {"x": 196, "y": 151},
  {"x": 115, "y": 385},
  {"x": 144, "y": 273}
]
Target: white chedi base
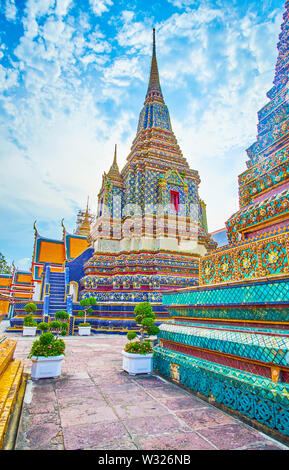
[
  {"x": 46, "y": 367},
  {"x": 137, "y": 363},
  {"x": 29, "y": 330},
  {"x": 84, "y": 330}
]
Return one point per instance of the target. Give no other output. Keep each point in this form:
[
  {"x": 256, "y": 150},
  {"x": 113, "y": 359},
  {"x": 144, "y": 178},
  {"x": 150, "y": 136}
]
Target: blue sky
[{"x": 73, "y": 78}]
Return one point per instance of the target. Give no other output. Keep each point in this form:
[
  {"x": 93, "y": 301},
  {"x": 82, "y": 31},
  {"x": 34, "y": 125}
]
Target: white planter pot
[
  {"x": 29, "y": 330},
  {"x": 46, "y": 367},
  {"x": 84, "y": 330},
  {"x": 137, "y": 363}
]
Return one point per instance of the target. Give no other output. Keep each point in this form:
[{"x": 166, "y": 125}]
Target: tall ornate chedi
[
  {"x": 264, "y": 186},
  {"x": 148, "y": 235},
  {"x": 228, "y": 338},
  {"x": 151, "y": 225}
]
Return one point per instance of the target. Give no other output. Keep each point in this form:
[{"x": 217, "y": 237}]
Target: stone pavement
[{"x": 96, "y": 405}]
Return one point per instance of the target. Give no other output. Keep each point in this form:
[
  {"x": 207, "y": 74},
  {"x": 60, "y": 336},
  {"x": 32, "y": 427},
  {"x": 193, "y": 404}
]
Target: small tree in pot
[
  {"x": 59, "y": 327},
  {"x": 85, "y": 328},
  {"x": 137, "y": 355},
  {"x": 29, "y": 325},
  {"x": 30, "y": 308},
  {"x": 47, "y": 354}
]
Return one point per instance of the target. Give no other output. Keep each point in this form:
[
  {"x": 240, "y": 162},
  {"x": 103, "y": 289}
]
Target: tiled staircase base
[{"x": 11, "y": 372}]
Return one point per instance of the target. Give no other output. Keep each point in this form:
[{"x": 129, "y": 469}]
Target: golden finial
[
  {"x": 114, "y": 172},
  {"x": 114, "y": 159},
  {"x": 63, "y": 227},
  {"x": 154, "y": 88},
  {"x": 34, "y": 227}
]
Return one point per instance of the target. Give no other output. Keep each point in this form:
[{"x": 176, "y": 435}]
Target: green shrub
[
  {"x": 145, "y": 319},
  {"x": 43, "y": 326},
  {"x": 131, "y": 335},
  {"x": 153, "y": 330},
  {"x": 46, "y": 338},
  {"x": 61, "y": 315},
  {"x": 30, "y": 307},
  {"x": 86, "y": 303},
  {"x": 28, "y": 321},
  {"x": 83, "y": 324},
  {"x": 54, "y": 325},
  {"x": 144, "y": 309},
  {"x": 47, "y": 346},
  {"x": 136, "y": 347}
]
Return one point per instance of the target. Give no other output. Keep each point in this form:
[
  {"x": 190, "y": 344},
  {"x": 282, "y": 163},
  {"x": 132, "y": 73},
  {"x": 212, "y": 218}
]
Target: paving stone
[
  {"x": 79, "y": 393},
  {"x": 131, "y": 397},
  {"x": 204, "y": 417},
  {"x": 83, "y": 436},
  {"x": 263, "y": 446},
  {"x": 148, "y": 408},
  {"x": 44, "y": 436},
  {"x": 180, "y": 441},
  {"x": 151, "y": 425},
  {"x": 125, "y": 445},
  {"x": 85, "y": 413},
  {"x": 123, "y": 388},
  {"x": 166, "y": 391},
  {"x": 231, "y": 436},
  {"x": 182, "y": 403}
]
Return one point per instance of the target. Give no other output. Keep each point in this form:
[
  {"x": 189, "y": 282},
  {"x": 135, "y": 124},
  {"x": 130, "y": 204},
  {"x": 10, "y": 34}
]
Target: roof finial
[
  {"x": 114, "y": 172},
  {"x": 154, "y": 89},
  {"x": 34, "y": 227},
  {"x": 115, "y": 152}
]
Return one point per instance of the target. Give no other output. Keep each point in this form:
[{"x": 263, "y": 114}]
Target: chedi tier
[{"x": 228, "y": 338}]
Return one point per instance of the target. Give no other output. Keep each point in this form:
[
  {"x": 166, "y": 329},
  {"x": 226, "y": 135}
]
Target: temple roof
[
  {"x": 114, "y": 173},
  {"x": 83, "y": 223}
]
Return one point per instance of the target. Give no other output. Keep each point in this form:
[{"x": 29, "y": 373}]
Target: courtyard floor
[{"x": 96, "y": 405}]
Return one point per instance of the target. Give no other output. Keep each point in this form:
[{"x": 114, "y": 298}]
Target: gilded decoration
[
  {"x": 274, "y": 257},
  {"x": 247, "y": 263},
  {"x": 266, "y": 257},
  {"x": 208, "y": 270},
  {"x": 226, "y": 268},
  {"x": 175, "y": 372}
]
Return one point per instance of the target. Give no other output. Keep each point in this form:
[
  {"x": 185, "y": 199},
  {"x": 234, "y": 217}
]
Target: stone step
[
  {"x": 250, "y": 345},
  {"x": 10, "y": 380},
  {"x": 7, "y": 348}
]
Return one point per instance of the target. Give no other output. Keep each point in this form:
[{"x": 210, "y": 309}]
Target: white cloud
[
  {"x": 183, "y": 3},
  {"x": 8, "y": 78},
  {"x": 10, "y": 10},
  {"x": 62, "y": 7},
  {"x": 100, "y": 6},
  {"x": 122, "y": 71}
]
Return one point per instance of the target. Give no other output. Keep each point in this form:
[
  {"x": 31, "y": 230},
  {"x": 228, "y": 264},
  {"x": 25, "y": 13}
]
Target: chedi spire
[{"x": 154, "y": 92}]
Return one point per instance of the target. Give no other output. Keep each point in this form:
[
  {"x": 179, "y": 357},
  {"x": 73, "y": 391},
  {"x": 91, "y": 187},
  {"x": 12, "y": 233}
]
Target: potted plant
[
  {"x": 47, "y": 354},
  {"x": 61, "y": 315},
  {"x": 84, "y": 328},
  {"x": 137, "y": 355},
  {"x": 56, "y": 326},
  {"x": 29, "y": 325}
]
